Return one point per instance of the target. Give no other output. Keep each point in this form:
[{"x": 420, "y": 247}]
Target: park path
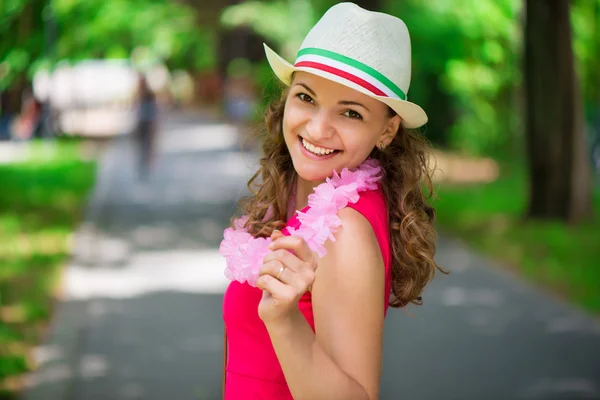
[{"x": 141, "y": 314}]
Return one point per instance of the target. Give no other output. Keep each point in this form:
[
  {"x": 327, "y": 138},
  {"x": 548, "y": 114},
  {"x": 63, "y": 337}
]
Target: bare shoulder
[
  {"x": 355, "y": 240},
  {"x": 353, "y": 262}
]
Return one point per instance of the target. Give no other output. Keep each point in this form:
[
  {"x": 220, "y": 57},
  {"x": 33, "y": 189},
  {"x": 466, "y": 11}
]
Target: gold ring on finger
[{"x": 280, "y": 272}]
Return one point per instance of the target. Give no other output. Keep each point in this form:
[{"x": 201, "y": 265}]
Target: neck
[{"x": 303, "y": 189}]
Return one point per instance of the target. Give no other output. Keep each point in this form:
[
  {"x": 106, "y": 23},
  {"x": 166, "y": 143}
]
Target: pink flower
[
  {"x": 327, "y": 197},
  {"x": 233, "y": 242},
  {"x": 244, "y": 253},
  {"x": 316, "y": 228}
]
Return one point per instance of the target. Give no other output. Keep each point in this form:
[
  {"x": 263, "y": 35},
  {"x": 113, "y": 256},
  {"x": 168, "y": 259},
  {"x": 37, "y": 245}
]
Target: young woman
[{"x": 338, "y": 227}]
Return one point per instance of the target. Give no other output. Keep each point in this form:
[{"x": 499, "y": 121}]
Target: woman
[{"x": 338, "y": 226}]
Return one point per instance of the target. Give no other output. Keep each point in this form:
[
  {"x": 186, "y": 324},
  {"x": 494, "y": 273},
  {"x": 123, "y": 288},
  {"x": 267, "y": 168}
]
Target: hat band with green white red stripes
[{"x": 349, "y": 69}]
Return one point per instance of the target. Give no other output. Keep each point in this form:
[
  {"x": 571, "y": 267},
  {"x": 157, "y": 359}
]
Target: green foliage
[
  {"x": 40, "y": 204},
  {"x": 284, "y": 23},
  {"x": 166, "y": 28},
  {"x": 467, "y": 62},
  {"x": 35, "y": 35},
  {"x": 269, "y": 85},
  {"x": 489, "y": 217},
  {"x": 585, "y": 17},
  {"x": 22, "y": 41},
  {"x": 466, "y": 54}
]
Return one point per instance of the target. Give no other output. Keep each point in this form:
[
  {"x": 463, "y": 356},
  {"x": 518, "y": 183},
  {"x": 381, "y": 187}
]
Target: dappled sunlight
[
  {"x": 480, "y": 297},
  {"x": 209, "y": 137},
  {"x": 123, "y": 340},
  {"x": 572, "y": 324},
  {"x": 147, "y": 272},
  {"x": 454, "y": 168},
  {"x": 557, "y": 388},
  {"x": 98, "y": 248},
  {"x": 55, "y": 373},
  {"x": 98, "y": 122},
  {"x": 93, "y": 366},
  {"x": 48, "y": 353},
  {"x": 13, "y": 314},
  {"x": 133, "y": 390},
  {"x": 148, "y": 236}
]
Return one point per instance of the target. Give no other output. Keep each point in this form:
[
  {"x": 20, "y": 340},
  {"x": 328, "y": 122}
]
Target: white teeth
[{"x": 315, "y": 149}]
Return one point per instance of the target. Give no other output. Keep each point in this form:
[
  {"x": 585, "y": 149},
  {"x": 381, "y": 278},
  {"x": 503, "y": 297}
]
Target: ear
[{"x": 391, "y": 130}]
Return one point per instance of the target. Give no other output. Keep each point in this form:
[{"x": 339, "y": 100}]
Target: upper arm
[{"x": 348, "y": 301}]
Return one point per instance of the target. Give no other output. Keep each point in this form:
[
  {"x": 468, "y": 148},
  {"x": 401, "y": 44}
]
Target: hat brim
[{"x": 412, "y": 115}]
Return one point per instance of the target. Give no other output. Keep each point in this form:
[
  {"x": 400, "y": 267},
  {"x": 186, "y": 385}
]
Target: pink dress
[{"x": 253, "y": 370}]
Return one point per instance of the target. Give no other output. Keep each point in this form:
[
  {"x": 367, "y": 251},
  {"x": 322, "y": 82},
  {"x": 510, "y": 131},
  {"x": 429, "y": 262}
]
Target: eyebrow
[
  {"x": 342, "y": 102},
  {"x": 352, "y": 103},
  {"x": 307, "y": 88}
]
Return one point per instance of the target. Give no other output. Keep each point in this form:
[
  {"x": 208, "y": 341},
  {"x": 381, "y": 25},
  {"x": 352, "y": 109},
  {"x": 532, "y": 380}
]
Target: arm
[{"x": 343, "y": 360}]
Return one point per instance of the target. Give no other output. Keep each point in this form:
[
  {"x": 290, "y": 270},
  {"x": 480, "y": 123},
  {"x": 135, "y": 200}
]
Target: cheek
[
  {"x": 359, "y": 141},
  {"x": 293, "y": 119}
]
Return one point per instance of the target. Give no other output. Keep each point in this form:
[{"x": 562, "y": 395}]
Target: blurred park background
[{"x": 512, "y": 90}]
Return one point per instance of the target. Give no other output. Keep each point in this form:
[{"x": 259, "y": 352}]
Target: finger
[
  {"x": 294, "y": 243},
  {"x": 278, "y": 289},
  {"x": 276, "y": 234},
  {"x": 300, "y": 278},
  {"x": 277, "y": 270},
  {"x": 299, "y": 281},
  {"x": 288, "y": 259}
]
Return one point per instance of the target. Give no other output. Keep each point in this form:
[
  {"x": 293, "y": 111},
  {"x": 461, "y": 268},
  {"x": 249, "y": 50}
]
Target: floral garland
[{"x": 244, "y": 253}]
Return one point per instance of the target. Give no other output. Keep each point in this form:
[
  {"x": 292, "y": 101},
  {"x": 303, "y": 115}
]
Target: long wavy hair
[{"x": 407, "y": 186}]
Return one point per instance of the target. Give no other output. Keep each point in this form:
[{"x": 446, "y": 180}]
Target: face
[{"x": 329, "y": 126}]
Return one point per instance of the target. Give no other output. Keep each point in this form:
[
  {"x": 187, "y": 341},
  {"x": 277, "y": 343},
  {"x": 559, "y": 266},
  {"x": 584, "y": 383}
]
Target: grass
[
  {"x": 489, "y": 217},
  {"x": 41, "y": 202}
]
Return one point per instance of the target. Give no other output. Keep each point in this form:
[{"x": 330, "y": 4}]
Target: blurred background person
[
  {"x": 6, "y": 116},
  {"x": 145, "y": 131},
  {"x": 30, "y": 120}
]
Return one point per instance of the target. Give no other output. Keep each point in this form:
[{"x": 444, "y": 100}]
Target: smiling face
[{"x": 330, "y": 126}]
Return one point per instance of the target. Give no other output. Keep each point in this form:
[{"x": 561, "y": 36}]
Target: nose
[{"x": 320, "y": 127}]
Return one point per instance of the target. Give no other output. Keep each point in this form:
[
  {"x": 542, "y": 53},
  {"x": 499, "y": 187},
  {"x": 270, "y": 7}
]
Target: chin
[{"x": 313, "y": 172}]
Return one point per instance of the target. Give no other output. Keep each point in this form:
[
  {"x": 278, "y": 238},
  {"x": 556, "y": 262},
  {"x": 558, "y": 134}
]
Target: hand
[{"x": 282, "y": 289}]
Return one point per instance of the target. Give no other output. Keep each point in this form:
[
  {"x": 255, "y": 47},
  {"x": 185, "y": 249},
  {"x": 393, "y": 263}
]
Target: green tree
[
  {"x": 165, "y": 31},
  {"x": 465, "y": 70},
  {"x": 21, "y": 30},
  {"x": 559, "y": 169}
]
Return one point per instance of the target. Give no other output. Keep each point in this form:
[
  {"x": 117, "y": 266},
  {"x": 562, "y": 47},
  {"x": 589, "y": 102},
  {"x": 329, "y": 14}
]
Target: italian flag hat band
[{"x": 349, "y": 69}]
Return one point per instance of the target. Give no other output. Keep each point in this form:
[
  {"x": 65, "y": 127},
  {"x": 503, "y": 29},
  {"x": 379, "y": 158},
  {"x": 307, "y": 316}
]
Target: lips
[
  {"x": 313, "y": 156},
  {"x": 317, "y": 150}
]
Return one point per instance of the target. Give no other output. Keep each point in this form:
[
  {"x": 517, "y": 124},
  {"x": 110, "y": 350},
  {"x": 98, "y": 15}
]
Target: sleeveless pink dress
[{"x": 253, "y": 371}]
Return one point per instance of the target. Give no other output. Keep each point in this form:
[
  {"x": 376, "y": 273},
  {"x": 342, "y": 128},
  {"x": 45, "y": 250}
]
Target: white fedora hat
[{"x": 367, "y": 51}]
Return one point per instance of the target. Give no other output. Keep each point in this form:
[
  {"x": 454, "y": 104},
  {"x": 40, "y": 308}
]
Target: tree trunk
[
  {"x": 371, "y": 5},
  {"x": 559, "y": 168}
]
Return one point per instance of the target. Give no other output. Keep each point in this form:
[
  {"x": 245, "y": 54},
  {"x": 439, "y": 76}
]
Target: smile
[{"x": 319, "y": 151}]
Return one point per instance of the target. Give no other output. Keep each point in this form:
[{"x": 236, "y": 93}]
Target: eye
[
  {"x": 304, "y": 97},
  {"x": 352, "y": 114}
]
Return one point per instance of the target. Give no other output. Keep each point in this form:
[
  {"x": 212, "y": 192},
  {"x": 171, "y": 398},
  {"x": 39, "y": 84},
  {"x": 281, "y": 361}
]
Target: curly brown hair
[{"x": 407, "y": 186}]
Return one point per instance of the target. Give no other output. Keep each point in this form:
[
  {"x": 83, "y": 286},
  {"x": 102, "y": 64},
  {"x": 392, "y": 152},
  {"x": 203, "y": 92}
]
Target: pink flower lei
[{"x": 244, "y": 253}]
